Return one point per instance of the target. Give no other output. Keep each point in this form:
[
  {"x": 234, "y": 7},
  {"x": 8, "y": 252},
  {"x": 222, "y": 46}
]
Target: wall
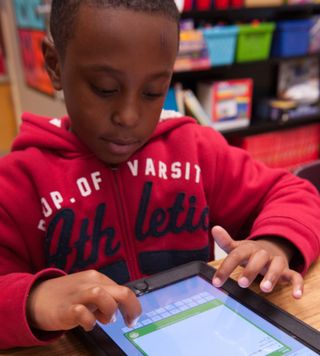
[{"x": 8, "y": 123}]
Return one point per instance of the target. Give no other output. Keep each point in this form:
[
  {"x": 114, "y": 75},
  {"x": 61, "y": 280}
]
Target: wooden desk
[{"x": 306, "y": 309}]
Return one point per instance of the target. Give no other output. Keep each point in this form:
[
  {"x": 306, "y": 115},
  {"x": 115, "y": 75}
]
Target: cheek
[
  {"x": 149, "y": 125},
  {"x": 87, "y": 122},
  {"x": 152, "y": 119},
  {"x": 86, "y": 111},
  {"x": 79, "y": 98}
]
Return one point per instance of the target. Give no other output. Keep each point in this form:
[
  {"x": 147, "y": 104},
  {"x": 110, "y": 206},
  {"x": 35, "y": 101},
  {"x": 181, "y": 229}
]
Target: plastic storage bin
[
  {"x": 290, "y": 148},
  {"x": 291, "y": 38},
  {"x": 221, "y": 42},
  {"x": 254, "y": 41},
  {"x": 221, "y": 4},
  {"x": 256, "y": 3},
  {"x": 226, "y": 4},
  {"x": 237, "y": 3},
  {"x": 203, "y": 5}
]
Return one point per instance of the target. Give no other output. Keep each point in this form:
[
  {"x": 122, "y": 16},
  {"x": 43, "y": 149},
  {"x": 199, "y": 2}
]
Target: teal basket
[{"x": 221, "y": 43}]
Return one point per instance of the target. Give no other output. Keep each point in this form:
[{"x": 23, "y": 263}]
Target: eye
[
  {"x": 152, "y": 95},
  {"x": 104, "y": 92}
]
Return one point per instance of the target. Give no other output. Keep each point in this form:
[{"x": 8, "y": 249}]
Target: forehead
[{"x": 101, "y": 26}]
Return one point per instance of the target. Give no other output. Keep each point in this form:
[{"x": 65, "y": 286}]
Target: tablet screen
[{"x": 192, "y": 317}]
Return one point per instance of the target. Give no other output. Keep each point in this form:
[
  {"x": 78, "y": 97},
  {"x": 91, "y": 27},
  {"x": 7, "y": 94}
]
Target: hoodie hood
[{"x": 53, "y": 134}]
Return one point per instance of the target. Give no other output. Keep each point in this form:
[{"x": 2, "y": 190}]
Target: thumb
[{"x": 223, "y": 239}]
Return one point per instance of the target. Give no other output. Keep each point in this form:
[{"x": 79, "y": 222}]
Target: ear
[{"x": 52, "y": 62}]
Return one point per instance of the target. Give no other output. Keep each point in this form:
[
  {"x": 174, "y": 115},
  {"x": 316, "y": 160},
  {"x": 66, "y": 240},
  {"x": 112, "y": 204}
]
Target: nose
[{"x": 127, "y": 113}]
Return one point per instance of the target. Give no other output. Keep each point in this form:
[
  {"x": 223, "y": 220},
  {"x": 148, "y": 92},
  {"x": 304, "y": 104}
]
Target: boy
[{"x": 111, "y": 194}]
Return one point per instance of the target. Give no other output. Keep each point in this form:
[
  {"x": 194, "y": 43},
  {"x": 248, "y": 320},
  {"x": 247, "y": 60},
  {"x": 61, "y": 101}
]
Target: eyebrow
[{"x": 108, "y": 69}]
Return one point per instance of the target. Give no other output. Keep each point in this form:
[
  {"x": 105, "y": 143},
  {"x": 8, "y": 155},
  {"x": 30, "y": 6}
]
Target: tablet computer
[{"x": 184, "y": 314}]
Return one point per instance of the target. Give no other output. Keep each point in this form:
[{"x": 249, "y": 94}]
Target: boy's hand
[
  {"x": 263, "y": 256},
  {"x": 80, "y": 299}
]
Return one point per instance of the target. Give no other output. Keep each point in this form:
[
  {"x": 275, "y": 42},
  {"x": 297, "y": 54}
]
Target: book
[
  {"x": 170, "y": 102},
  {"x": 227, "y": 103},
  {"x": 175, "y": 99},
  {"x": 195, "y": 109},
  {"x": 193, "y": 52},
  {"x": 178, "y": 88}
]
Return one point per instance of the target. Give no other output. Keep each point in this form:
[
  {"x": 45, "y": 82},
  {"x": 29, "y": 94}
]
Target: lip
[{"x": 121, "y": 146}]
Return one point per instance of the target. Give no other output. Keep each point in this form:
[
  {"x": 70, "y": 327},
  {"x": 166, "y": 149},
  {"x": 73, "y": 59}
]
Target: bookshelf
[
  {"x": 264, "y": 73},
  {"x": 282, "y": 143},
  {"x": 264, "y": 127}
]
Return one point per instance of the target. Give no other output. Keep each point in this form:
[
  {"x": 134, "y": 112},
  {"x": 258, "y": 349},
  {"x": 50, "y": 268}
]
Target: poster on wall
[
  {"x": 2, "y": 55},
  {"x": 32, "y": 27}
]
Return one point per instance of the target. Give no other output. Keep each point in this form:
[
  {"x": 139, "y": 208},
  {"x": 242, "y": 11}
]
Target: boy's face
[{"x": 115, "y": 73}]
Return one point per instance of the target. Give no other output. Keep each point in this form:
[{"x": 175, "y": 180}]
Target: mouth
[{"x": 121, "y": 146}]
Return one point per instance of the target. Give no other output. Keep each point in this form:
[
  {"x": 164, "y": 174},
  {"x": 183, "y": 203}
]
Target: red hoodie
[{"x": 62, "y": 210}]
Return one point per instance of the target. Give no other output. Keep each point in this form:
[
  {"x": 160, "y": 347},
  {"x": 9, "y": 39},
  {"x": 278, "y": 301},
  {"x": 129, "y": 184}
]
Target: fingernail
[
  {"x": 297, "y": 293},
  {"x": 243, "y": 282},
  {"x": 217, "y": 282},
  {"x": 113, "y": 318},
  {"x": 91, "y": 327},
  {"x": 266, "y": 286},
  {"x": 133, "y": 323}
]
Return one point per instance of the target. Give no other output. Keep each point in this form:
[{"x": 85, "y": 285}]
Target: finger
[
  {"x": 235, "y": 258},
  {"x": 103, "y": 300},
  {"x": 122, "y": 296},
  {"x": 81, "y": 316},
  {"x": 100, "y": 305},
  {"x": 256, "y": 265},
  {"x": 128, "y": 304},
  {"x": 297, "y": 282},
  {"x": 223, "y": 239},
  {"x": 273, "y": 273},
  {"x": 103, "y": 319},
  {"x": 98, "y": 301}
]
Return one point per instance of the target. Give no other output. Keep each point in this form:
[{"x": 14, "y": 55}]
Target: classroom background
[{"x": 249, "y": 68}]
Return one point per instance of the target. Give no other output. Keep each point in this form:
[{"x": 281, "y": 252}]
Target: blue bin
[
  {"x": 221, "y": 43},
  {"x": 291, "y": 38}
]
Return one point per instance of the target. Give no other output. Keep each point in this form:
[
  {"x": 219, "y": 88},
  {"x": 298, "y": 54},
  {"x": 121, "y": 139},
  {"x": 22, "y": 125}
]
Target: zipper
[{"x": 127, "y": 240}]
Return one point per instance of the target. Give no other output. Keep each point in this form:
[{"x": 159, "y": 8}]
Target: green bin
[{"x": 254, "y": 41}]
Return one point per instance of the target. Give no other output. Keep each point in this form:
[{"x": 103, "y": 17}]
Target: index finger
[
  {"x": 223, "y": 272},
  {"x": 128, "y": 303},
  {"x": 228, "y": 265}
]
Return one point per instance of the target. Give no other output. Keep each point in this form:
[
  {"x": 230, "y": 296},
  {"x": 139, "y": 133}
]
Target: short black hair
[{"x": 64, "y": 13}]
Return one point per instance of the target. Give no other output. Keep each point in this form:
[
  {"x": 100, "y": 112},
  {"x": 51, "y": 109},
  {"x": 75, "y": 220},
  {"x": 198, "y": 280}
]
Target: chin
[{"x": 113, "y": 161}]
